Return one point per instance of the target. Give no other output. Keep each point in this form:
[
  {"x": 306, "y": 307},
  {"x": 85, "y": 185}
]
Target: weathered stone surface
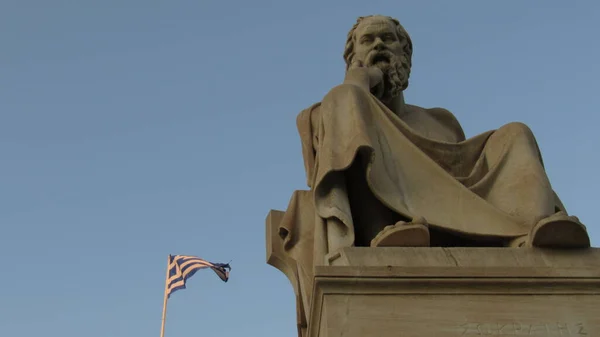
[
  {"x": 457, "y": 292},
  {"x": 383, "y": 174}
]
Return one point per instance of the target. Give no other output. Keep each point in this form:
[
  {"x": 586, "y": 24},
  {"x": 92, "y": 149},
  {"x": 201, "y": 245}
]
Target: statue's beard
[{"x": 396, "y": 72}]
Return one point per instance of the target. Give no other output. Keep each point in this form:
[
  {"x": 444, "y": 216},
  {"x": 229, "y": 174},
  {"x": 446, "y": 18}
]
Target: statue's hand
[{"x": 368, "y": 78}]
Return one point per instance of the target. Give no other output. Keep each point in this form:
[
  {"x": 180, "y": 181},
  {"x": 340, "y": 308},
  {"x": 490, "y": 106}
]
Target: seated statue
[{"x": 383, "y": 172}]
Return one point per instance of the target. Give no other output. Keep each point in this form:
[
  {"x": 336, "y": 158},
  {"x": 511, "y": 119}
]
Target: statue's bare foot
[
  {"x": 403, "y": 234},
  {"x": 559, "y": 231}
]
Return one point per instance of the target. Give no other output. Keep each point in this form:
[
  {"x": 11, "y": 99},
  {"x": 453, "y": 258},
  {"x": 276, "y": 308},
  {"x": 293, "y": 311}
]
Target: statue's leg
[
  {"x": 516, "y": 183},
  {"x": 375, "y": 224},
  {"x": 346, "y": 115},
  {"x": 337, "y": 234},
  {"x": 369, "y": 215}
]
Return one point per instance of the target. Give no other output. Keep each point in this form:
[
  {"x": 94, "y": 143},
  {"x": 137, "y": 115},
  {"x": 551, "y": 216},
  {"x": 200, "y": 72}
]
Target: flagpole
[{"x": 164, "y": 312}]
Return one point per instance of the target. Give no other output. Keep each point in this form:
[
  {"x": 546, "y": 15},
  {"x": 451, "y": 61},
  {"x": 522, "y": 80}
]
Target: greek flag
[{"x": 182, "y": 267}]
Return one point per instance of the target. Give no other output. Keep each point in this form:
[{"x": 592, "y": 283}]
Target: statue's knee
[
  {"x": 518, "y": 127},
  {"x": 516, "y": 130}
]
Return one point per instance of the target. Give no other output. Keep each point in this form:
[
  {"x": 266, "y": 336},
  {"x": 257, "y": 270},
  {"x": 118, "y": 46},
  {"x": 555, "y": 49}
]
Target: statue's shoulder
[
  {"x": 308, "y": 111},
  {"x": 446, "y": 118},
  {"x": 306, "y": 119},
  {"x": 306, "y": 122}
]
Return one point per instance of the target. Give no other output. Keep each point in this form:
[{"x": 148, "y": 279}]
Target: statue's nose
[{"x": 379, "y": 46}]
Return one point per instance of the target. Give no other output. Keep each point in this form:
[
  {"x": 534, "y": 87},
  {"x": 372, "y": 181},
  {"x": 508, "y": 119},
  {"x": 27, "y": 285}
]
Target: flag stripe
[
  {"x": 182, "y": 267},
  {"x": 178, "y": 271}
]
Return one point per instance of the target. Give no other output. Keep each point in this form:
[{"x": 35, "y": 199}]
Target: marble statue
[{"x": 385, "y": 173}]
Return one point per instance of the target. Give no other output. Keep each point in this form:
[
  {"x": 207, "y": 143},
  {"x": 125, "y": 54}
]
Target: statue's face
[{"x": 377, "y": 44}]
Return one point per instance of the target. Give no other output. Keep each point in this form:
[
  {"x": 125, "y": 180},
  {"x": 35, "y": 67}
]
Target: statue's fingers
[
  {"x": 375, "y": 73},
  {"x": 375, "y": 76}
]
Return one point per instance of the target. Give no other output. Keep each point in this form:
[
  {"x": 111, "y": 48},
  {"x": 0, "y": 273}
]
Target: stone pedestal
[{"x": 443, "y": 292}]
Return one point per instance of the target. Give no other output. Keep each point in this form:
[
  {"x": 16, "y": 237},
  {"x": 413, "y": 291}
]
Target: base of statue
[{"x": 456, "y": 292}]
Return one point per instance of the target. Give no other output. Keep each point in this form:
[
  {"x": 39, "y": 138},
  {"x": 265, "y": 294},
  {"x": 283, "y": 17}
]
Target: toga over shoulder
[
  {"x": 447, "y": 120},
  {"x": 439, "y": 120},
  {"x": 307, "y": 124}
]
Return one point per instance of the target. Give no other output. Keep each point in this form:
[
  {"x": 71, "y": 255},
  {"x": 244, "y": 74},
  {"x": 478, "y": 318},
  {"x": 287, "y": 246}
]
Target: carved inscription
[{"x": 558, "y": 329}]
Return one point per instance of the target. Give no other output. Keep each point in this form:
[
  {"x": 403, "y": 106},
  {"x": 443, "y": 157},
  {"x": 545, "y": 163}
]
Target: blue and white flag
[{"x": 182, "y": 267}]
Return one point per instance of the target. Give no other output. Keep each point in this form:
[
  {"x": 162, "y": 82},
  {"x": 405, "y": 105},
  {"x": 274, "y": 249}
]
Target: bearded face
[
  {"x": 376, "y": 43},
  {"x": 395, "y": 68}
]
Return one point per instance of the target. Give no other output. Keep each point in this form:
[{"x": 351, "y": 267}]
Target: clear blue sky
[{"x": 130, "y": 130}]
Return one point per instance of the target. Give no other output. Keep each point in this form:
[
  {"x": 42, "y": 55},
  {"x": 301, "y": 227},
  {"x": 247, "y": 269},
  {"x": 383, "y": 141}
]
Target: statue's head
[{"x": 382, "y": 42}]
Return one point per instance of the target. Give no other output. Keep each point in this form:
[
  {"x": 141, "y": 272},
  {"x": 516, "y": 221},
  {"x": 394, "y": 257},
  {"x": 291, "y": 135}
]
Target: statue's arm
[
  {"x": 447, "y": 118},
  {"x": 307, "y": 124}
]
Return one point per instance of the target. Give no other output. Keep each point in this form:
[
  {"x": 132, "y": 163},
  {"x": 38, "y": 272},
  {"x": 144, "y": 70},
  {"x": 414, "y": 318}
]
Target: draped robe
[{"x": 491, "y": 185}]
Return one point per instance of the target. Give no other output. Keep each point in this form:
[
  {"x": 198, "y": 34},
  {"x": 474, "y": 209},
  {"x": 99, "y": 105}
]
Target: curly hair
[{"x": 400, "y": 32}]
